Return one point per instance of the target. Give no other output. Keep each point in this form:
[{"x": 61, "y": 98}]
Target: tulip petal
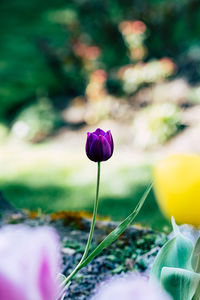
[
  {"x": 9, "y": 291},
  {"x": 30, "y": 260},
  {"x": 131, "y": 288},
  {"x": 105, "y": 148},
  {"x": 101, "y": 149},
  {"x": 46, "y": 282},
  {"x": 94, "y": 150},
  {"x": 48, "y": 266},
  {"x": 90, "y": 146},
  {"x": 87, "y": 147},
  {"x": 99, "y": 131},
  {"x": 109, "y": 138}
]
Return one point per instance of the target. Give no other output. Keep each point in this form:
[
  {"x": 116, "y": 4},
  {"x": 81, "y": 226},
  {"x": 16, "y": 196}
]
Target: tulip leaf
[
  {"x": 118, "y": 230},
  {"x": 196, "y": 257},
  {"x": 63, "y": 286},
  {"x": 176, "y": 229},
  {"x": 179, "y": 283},
  {"x": 197, "y": 293},
  {"x": 175, "y": 253},
  {"x": 61, "y": 278}
]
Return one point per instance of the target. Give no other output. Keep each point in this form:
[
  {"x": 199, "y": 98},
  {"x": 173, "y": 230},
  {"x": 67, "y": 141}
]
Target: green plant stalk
[
  {"x": 118, "y": 230},
  {"x": 111, "y": 237},
  {"x": 87, "y": 248}
]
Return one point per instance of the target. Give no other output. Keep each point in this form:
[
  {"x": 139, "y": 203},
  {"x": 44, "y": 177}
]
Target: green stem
[{"x": 87, "y": 248}]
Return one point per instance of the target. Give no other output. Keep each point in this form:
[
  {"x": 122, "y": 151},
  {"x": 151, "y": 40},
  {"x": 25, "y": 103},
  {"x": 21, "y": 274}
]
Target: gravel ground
[{"x": 133, "y": 251}]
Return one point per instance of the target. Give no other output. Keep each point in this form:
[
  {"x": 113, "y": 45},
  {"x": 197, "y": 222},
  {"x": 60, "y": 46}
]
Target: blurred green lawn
[{"x": 42, "y": 178}]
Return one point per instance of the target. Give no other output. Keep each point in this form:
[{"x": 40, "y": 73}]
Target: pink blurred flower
[
  {"x": 85, "y": 51},
  {"x": 99, "y": 76},
  {"x": 131, "y": 288},
  {"x": 132, "y": 27},
  {"x": 29, "y": 264},
  {"x": 168, "y": 65}
]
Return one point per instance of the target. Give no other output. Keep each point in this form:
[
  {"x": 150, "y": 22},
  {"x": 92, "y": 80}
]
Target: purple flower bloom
[
  {"x": 29, "y": 264},
  {"x": 131, "y": 288},
  {"x": 99, "y": 145}
]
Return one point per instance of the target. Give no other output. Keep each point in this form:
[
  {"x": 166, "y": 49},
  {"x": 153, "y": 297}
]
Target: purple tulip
[
  {"x": 99, "y": 145},
  {"x": 131, "y": 288},
  {"x": 29, "y": 264}
]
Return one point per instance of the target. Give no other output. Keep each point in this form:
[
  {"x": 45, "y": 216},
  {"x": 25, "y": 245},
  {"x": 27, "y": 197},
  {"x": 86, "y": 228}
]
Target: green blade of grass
[{"x": 118, "y": 230}]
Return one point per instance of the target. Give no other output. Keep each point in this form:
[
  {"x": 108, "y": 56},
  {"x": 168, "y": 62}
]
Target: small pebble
[{"x": 68, "y": 251}]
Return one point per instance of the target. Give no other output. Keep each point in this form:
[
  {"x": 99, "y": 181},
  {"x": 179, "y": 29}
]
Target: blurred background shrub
[
  {"x": 156, "y": 124},
  {"x": 36, "y": 121},
  {"x": 55, "y": 46}
]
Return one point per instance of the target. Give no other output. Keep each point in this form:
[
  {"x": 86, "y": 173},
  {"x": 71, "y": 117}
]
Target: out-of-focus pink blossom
[
  {"x": 99, "y": 76},
  {"x": 168, "y": 65},
  {"x": 85, "y": 51},
  {"x": 132, "y": 27},
  {"x": 29, "y": 263},
  {"x": 131, "y": 288}
]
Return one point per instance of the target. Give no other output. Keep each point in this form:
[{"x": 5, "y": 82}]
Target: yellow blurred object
[{"x": 177, "y": 187}]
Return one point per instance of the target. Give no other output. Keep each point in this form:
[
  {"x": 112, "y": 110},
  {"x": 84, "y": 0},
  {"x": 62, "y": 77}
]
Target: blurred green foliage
[
  {"x": 156, "y": 124},
  {"x": 43, "y": 184},
  {"x": 36, "y": 121},
  {"x": 39, "y": 41}
]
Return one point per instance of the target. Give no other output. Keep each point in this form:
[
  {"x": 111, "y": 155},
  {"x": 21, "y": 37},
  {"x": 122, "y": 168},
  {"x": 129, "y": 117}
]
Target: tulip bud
[{"x": 99, "y": 145}]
